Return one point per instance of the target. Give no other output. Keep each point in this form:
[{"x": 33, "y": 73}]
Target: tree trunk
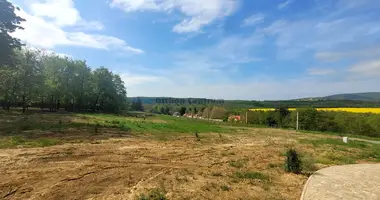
[{"x": 23, "y": 103}]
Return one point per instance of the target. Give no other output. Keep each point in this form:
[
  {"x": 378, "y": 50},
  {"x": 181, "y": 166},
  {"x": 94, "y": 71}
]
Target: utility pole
[
  {"x": 297, "y": 122},
  {"x": 246, "y": 117}
]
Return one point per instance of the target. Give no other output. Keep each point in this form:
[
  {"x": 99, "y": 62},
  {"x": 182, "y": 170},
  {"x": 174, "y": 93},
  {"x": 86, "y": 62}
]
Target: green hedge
[{"x": 312, "y": 120}]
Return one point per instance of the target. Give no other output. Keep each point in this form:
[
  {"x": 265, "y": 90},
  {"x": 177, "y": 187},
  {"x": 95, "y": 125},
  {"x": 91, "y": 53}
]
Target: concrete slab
[{"x": 348, "y": 182}]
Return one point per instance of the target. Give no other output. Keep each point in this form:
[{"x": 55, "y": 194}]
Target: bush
[
  {"x": 154, "y": 194},
  {"x": 310, "y": 119},
  {"x": 251, "y": 175},
  {"x": 292, "y": 162}
]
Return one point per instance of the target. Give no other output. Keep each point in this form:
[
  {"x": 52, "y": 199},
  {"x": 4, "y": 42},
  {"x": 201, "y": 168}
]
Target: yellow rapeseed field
[{"x": 354, "y": 110}]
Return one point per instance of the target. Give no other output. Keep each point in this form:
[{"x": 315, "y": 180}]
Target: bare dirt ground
[{"x": 124, "y": 168}]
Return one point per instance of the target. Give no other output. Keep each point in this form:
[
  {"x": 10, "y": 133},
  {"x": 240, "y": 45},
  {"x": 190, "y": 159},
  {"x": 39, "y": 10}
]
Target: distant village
[{"x": 234, "y": 118}]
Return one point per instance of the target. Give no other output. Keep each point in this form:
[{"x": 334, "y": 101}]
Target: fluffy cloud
[
  {"x": 320, "y": 71},
  {"x": 293, "y": 38},
  {"x": 256, "y": 88},
  {"x": 198, "y": 13},
  {"x": 253, "y": 20},
  {"x": 366, "y": 68},
  {"x": 132, "y": 79},
  {"x": 62, "y": 12},
  {"x": 284, "y": 4},
  {"x": 358, "y": 53},
  {"x": 48, "y": 33}
]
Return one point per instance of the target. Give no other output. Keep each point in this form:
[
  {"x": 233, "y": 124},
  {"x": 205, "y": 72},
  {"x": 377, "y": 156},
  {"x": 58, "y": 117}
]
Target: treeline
[
  {"x": 46, "y": 80},
  {"x": 312, "y": 120},
  {"x": 212, "y": 112},
  {"x": 240, "y": 104}
]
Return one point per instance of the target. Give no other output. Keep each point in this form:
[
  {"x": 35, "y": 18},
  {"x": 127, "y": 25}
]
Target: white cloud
[
  {"x": 62, "y": 55},
  {"x": 131, "y": 79},
  {"x": 44, "y": 51},
  {"x": 253, "y": 20},
  {"x": 47, "y": 35},
  {"x": 62, "y": 13},
  {"x": 284, "y": 4},
  {"x": 293, "y": 38},
  {"x": 199, "y": 13},
  {"x": 320, "y": 71},
  {"x": 217, "y": 61},
  {"x": 256, "y": 88},
  {"x": 366, "y": 53},
  {"x": 89, "y": 25},
  {"x": 366, "y": 68}
]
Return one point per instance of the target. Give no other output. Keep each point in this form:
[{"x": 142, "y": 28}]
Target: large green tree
[
  {"x": 9, "y": 22},
  {"x": 51, "y": 81}
]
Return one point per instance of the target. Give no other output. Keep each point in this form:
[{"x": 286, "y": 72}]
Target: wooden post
[{"x": 297, "y": 122}]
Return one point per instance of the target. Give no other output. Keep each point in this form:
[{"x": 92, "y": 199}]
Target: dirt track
[{"x": 125, "y": 168}]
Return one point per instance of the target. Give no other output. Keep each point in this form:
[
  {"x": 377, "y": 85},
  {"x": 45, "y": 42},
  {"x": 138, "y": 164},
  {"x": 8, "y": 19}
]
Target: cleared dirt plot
[{"x": 65, "y": 156}]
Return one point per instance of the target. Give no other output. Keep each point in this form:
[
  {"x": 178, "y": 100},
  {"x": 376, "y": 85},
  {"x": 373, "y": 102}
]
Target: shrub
[
  {"x": 97, "y": 126},
  {"x": 124, "y": 127},
  {"x": 292, "y": 162},
  {"x": 237, "y": 164},
  {"x": 115, "y": 122},
  {"x": 154, "y": 194},
  {"x": 225, "y": 188},
  {"x": 250, "y": 175},
  {"x": 197, "y": 135}
]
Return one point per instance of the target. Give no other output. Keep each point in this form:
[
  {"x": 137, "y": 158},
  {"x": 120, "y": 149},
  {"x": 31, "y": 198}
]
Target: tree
[
  {"x": 50, "y": 81},
  {"x": 182, "y": 111},
  {"x": 167, "y": 110},
  {"x": 9, "y": 22},
  {"x": 29, "y": 77},
  {"x": 162, "y": 110},
  {"x": 137, "y": 105},
  {"x": 218, "y": 112}
]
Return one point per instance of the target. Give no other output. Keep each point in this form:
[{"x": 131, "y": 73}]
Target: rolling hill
[{"x": 368, "y": 96}]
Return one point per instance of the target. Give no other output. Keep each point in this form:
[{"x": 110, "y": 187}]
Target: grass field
[
  {"x": 353, "y": 110},
  {"x": 99, "y": 156}
]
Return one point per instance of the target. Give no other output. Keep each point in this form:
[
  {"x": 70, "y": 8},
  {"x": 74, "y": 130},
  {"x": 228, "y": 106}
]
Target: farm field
[
  {"x": 98, "y": 156},
  {"x": 353, "y": 110}
]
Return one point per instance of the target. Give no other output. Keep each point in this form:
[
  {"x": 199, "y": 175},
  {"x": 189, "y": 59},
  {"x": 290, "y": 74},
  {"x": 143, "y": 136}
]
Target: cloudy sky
[{"x": 230, "y": 49}]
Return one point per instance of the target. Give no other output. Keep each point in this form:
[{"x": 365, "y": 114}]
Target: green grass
[
  {"x": 341, "y": 134},
  {"x": 238, "y": 163},
  {"x": 16, "y": 141},
  {"x": 154, "y": 194},
  {"x": 332, "y": 141},
  {"x": 251, "y": 175},
  {"x": 84, "y": 126},
  {"x": 336, "y": 158},
  {"x": 225, "y": 188},
  {"x": 338, "y": 152},
  {"x": 164, "y": 124},
  {"x": 275, "y": 165}
]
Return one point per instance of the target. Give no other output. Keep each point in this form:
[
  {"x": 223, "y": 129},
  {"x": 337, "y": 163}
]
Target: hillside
[
  {"x": 346, "y": 100},
  {"x": 368, "y": 96}
]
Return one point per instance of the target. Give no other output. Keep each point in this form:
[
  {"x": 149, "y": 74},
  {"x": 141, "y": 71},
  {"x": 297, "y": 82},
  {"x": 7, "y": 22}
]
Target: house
[
  {"x": 189, "y": 115},
  {"x": 234, "y": 118}
]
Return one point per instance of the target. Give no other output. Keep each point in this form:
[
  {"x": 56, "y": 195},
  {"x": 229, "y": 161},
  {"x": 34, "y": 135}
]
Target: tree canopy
[
  {"x": 9, "y": 22},
  {"x": 49, "y": 81}
]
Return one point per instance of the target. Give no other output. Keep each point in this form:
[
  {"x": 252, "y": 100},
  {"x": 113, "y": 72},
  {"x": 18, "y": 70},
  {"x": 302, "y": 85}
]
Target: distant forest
[{"x": 238, "y": 105}]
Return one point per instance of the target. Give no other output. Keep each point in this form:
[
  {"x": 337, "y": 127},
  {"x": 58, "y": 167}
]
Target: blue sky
[{"x": 230, "y": 49}]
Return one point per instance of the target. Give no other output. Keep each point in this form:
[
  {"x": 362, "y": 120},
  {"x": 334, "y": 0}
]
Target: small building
[
  {"x": 234, "y": 118},
  {"x": 189, "y": 115}
]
